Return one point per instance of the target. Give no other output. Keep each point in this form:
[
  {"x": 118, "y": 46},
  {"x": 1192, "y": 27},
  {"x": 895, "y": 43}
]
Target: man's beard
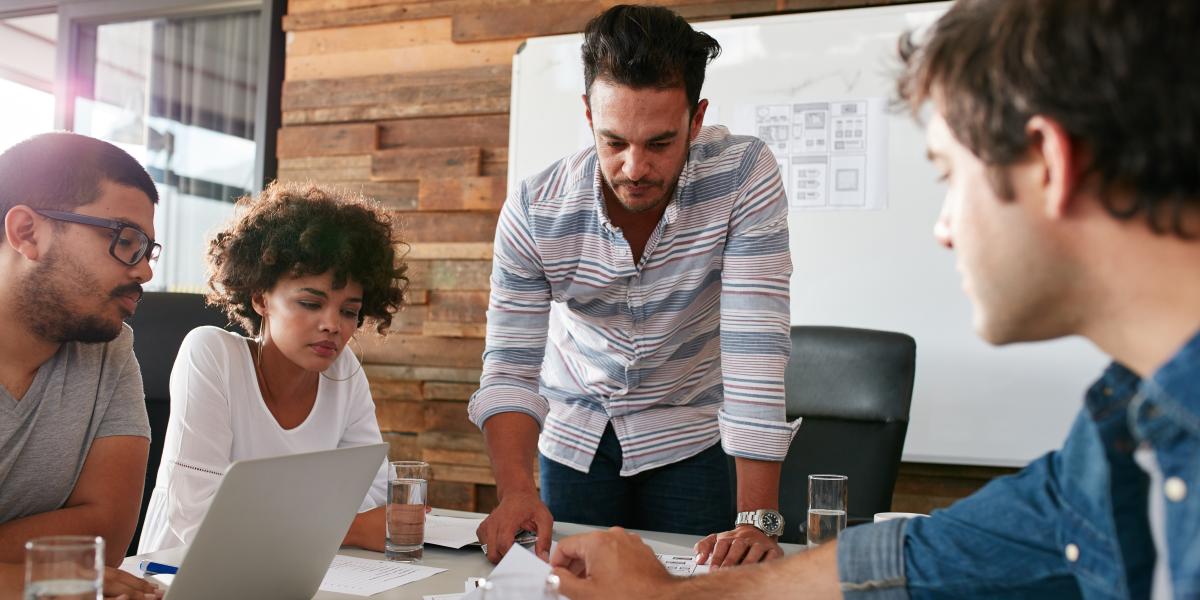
[{"x": 43, "y": 298}]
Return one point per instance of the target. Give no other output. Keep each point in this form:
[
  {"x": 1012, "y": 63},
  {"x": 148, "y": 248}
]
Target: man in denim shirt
[{"x": 1068, "y": 132}]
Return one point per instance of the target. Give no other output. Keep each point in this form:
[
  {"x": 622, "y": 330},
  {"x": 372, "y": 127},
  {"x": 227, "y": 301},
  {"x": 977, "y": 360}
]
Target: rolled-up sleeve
[
  {"x": 756, "y": 315},
  {"x": 871, "y": 561},
  {"x": 517, "y": 322}
]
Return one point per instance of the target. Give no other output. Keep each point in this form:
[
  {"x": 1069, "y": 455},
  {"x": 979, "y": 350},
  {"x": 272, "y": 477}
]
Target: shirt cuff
[
  {"x": 871, "y": 561},
  {"x": 493, "y": 400},
  {"x": 757, "y": 439}
]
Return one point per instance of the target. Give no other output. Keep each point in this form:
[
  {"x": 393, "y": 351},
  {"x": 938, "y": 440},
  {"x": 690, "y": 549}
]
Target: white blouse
[{"x": 218, "y": 416}]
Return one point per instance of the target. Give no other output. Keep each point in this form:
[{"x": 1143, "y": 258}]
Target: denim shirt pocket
[{"x": 1090, "y": 555}]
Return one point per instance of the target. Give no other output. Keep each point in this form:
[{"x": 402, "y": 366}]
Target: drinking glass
[
  {"x": 826, "y": 507},
  {"x": 408, "y": 494},
  {"x": 64, "y": 567}
]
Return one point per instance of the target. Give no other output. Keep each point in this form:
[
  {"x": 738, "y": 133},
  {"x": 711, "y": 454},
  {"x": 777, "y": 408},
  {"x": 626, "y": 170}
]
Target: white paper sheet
[
  {"x": 366, "y": 577},
  {"x": 450, "y": 532},
  {"x": 443, "y": 597},
  {"x": 682, "y": 566},
  {"x": 518, "y": 565}
]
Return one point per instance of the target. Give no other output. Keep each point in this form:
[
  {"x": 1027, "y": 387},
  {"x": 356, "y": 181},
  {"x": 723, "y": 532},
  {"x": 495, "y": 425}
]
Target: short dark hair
[
  {"x": 63, "y": 171},
  {"x": 295, "y": 229},
  {"x": 1118, "y": 76},
  {"x": 646, "y": 46}
]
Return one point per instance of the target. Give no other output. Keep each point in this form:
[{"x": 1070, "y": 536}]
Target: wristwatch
[{"x": 765, "y": 520}]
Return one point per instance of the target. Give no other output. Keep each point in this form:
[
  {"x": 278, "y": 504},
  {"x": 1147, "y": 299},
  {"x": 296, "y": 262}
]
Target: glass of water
[
  {"x": 64, "y": 567},
  {"x": 826, "y": 507},
  {"x": 408, "y": 494}
]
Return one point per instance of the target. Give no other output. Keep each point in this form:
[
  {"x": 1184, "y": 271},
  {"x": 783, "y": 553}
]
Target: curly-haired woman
[{"x": 302, "y": 267}]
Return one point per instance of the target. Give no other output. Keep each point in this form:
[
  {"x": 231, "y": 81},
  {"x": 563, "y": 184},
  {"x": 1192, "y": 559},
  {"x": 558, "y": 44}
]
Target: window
[
  {"x": 179, "y": 95},
  {"x": 27, "y": 51}
]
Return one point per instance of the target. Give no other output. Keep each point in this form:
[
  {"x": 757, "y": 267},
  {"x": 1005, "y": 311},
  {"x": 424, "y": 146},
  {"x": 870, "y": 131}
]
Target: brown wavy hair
[
  {"x": 1119, "y": 76},
  {"x": 295, "y": 230}
]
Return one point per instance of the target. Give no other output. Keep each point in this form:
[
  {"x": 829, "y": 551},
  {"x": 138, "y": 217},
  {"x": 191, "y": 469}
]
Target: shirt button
[
  {"x": 1175, "y": 489},
  {"x": 1072, "y": 552},
  {"x": 1107, "y": 391}
]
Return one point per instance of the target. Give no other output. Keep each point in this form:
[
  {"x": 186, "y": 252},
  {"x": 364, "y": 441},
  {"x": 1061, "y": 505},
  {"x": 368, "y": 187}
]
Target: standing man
[
  {"x": 1068, "y": 132},
  {"x": 639, "y": 314},
  {"x": 76, "y": 247}
]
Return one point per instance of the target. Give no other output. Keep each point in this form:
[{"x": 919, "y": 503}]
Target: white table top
[{"x": 464, "y": 563}]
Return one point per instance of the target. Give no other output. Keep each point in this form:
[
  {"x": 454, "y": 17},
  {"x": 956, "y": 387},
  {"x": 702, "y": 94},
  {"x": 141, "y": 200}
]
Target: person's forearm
[
  {"x": 75, "y": 520},
  {"x": 12, "y": 581},
  {"x": 757, "y": 484},
  {"x": 511, "y": 440},
  {"x": 807, "y": 574}
]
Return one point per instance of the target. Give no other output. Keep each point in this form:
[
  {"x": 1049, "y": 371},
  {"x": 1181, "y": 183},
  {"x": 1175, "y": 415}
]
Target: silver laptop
[{"x": 275, "y": 525}]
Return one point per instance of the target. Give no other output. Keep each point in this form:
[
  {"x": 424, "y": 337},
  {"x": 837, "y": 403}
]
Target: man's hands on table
[
  {"x": 744, "y": 544},
  {"x": 610, "y": 564},
  {"x": 517, "y": 510}
]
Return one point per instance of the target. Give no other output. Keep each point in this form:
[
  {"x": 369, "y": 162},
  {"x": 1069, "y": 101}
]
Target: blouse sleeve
[{"x": 199, "y": 441}]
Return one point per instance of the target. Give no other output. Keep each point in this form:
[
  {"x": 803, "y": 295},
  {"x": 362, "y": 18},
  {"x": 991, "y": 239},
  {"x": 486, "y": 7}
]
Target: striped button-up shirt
[{"x": 679, "y": 352}]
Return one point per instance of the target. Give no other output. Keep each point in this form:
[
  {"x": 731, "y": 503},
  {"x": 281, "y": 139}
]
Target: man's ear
[
  {"x": 1057, "y": 163},
  {"x": 698, "y": 119},
  {"x": 22, "y": 231},
  {"x": 587, "y": 110}
]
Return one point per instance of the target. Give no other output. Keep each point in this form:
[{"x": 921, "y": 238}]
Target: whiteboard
[{"x": 878, "y": 267}]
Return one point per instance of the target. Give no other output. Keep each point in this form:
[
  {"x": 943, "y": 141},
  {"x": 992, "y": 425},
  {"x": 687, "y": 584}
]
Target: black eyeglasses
[{"x": 129, "y": 244}]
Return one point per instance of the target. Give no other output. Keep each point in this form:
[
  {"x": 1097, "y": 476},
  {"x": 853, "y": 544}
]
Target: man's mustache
[{"x": 128, "y": 289}]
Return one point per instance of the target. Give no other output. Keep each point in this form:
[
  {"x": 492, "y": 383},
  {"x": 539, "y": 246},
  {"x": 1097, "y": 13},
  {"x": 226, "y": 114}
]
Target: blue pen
[{"x": 150, "y": 567}]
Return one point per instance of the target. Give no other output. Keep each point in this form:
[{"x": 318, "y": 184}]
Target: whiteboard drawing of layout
[{"x": 831, "y": 155}]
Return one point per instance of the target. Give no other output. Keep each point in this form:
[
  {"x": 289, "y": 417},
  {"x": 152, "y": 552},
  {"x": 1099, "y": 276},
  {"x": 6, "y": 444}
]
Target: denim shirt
[{"x": 1074, "y": 523}]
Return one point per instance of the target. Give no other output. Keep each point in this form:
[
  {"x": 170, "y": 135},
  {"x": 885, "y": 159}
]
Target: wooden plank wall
[{"x": 407, "y": 101}]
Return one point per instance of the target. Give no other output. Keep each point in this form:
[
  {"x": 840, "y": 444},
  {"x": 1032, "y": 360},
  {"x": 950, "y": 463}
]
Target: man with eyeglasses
[{"x": 76, "y": 246}]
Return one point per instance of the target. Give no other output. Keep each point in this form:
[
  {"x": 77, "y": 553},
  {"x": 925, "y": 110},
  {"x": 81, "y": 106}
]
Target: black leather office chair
[
  {"x": 853, "y": 388},
  {"x": 159, "y": 326}
]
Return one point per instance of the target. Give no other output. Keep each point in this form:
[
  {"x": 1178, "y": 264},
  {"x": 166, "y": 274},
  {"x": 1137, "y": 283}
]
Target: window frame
[{"x": 78, "y": 21}]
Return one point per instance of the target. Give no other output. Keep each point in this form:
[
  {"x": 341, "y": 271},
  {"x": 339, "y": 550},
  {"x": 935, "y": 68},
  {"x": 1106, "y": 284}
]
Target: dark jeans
[{"x": 691, "y": 496}]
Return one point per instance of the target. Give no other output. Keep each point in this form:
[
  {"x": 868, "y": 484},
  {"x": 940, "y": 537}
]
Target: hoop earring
[{"x": 362, "y": 355}]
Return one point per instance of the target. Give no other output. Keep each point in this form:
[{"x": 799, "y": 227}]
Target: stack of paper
[
  {"x": 682, "y": 566},
  {"x": 451, "y": 532},
  {"x": 366, "y": 577}
]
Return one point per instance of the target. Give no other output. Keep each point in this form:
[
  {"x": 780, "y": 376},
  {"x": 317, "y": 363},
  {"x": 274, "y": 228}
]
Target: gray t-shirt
[{"x": 84, "y": 392}]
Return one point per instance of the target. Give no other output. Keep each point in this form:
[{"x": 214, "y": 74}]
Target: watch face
[{"x": 770, "y": 521}]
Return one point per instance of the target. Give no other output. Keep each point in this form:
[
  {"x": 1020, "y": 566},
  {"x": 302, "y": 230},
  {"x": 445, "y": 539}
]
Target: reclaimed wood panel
[
  {"x": 392, "y": 195},
  {"x": 327, "y": 140},
  {"x": 441, "y": 390},
  {"x": 450, "y": 227},
  {"x": 402, "y": 446},
  {"x": 463, "y": 473},
  {"x": 454, "y": 457},
  {"x": 401, "y": 89},
  {"x": 396, "y": 390},
  {"x": 325, "y": 169},
  {"x": 454, "y": 330},
  {"x": 414, "y": 163},
  {"x": 447, "y": 416},
  {"x": 440, "y": 132},
  {"x": 420, "y": 372},
  {"x": 377, "y": 36},
  {"x": 453, "y": 495},
  {"x": 426, "y": 351},
  {"x": 415, "y": 59},
  {"x": 400, "y": 416},
  {"x": 377, "y": 12},
  {"x": 451, "y": 251},
  {"x": 461, "y": 193},
  {"x": 468, "y": 442},
  {"x": 450, "y": 274},
  {"x": 463, "y": 307}
]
